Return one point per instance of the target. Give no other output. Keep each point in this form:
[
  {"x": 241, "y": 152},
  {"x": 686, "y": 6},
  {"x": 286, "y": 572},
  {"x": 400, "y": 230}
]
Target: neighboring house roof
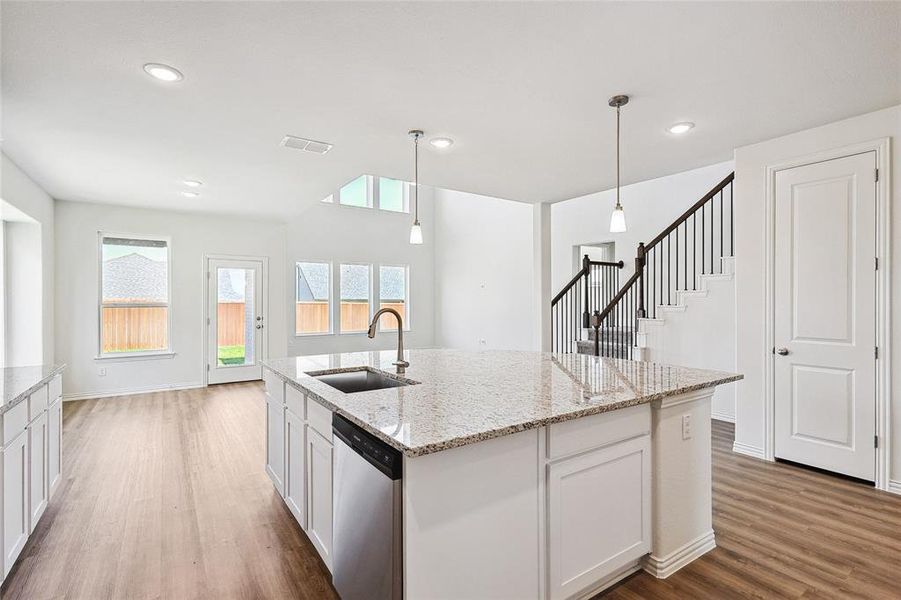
[
  {"x": 135, "y": 278},
  {"x": 312, "y": 282}
]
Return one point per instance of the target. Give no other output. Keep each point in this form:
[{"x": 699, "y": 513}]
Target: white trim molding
[
  {"x": 722, "y": 416},
  {"x": 882, "y": 148},
  {"x": 748, "y": 450},
  {"x": 133, "y": 391},
  {"x": 662, "y": 567},
  {"x": 894, "y": 486}
]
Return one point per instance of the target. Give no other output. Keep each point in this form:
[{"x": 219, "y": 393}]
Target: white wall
[
  {"x": 750, "y": 247},
  {"x": 192, "y": 236},
  {"x": 336, "y": 233},
  {"x": 25, "y": 195},
  {"x": 650, "y": 207},
  {"x": 23, "y": 273},
  {"x": 484, "y": 275}
]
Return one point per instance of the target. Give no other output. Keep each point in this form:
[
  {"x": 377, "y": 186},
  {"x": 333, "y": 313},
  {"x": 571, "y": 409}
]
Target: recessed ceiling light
[
  {"x": 680, "y": 128},
  {"x": 190, "y": 194},
  {"x": 441, "y": 142},
  {"x": 163, "y": 72},
  {"x": 192, "y": 183}
]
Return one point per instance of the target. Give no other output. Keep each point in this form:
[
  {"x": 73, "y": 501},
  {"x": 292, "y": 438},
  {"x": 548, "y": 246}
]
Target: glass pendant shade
[
  {"x": 618, "y": 220},
  {"x": 416, "y": 234}
]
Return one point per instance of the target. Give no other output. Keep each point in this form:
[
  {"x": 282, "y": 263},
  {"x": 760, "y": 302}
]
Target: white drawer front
[
  {"x": 595, "y": 431},
  {"x": 319, "y": 418},
  {"x": 56, "y": 389},
  {"x": 295, "y": 401},
  {"x": 275, "y": 386},
  {"x": 37, "y": 403},
  {"x": 14, "y": 421}
]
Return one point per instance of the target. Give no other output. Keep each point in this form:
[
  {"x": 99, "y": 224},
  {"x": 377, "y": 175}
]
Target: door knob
[
  {"x": 782, "y": 351},
  {"x": 259, "y": 326}
]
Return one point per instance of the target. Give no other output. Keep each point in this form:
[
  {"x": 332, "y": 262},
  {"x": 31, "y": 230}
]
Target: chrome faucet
[{"x": 400, "y": 363}]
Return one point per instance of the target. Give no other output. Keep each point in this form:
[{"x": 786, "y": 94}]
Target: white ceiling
[{"x": 522, "y": 88}]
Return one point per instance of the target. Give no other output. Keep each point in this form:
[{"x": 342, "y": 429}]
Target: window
[
  {"x": 371, "y": 191},
  {"x": 393, "y": 294},
  {"x": 313, "y": 287},
  {"x": 356, "y": 193},
  {"x": 355, "y": 295},
  {"x": 134, "y": 295},
  {"x": 393, "y": 195}
]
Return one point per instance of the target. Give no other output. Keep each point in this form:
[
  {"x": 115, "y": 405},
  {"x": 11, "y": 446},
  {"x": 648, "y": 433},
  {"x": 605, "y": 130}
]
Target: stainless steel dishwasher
[{"x": 367, "y": 560}]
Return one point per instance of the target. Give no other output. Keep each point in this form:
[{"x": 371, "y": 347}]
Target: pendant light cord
[
  {"x": 416, "y": 180},
  {"x": 618, "y": 205}
]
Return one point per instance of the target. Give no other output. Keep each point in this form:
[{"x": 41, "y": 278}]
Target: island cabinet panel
[
  {"x": 39, "y": 492},
  {"x": 15, "y": 499},
  {"x": 599, "y": 430},
  {"x": 275, "y": 443},
  {"x": 295, "y": 467},
  {"x": 274, "y": 386},
  {"x": 598, "y": 515},
  {"x": 296, "y": 402},
  {"x": 319, "y": 494},
  {"x": 320, "y": 419},
  {"x": 54, "y": 445}
]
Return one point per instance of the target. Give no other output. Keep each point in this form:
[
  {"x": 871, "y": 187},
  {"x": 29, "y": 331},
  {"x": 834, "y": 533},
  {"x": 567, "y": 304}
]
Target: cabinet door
[
  {"x": 15, "y": 499},
  {"x": 54, "y": 446},
  {"x": 319, "y": 494},
  {"x": 599, "y": 514},
  {"x": 37, "y": 480},
  {"x": 295, "y": 469},
  {"x": 275, "y": 444}
]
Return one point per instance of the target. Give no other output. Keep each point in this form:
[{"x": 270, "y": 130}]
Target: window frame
[
  {"x": 331, "y": 295},
  {"x": 137, "y": 354},
  {"x": 371, "y": 267},
  {"x": 407, "y": 305}
]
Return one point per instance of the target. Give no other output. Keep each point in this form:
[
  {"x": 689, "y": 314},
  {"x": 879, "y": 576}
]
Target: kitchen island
[{"x": 525, "y": 474}]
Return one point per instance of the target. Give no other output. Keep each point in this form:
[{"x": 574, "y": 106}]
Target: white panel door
[
  {"x": 54, "y": 446},
  {"x": 275, "y": 443},
  {"x": 15, "y": 500},
  {"x": 319, "y": 494},
  {"x": 295, "y": 467},
  {"x": 825, "y": 319},
  {"x": 37, "y": 482},
  {"x": 236, "y": 320}
]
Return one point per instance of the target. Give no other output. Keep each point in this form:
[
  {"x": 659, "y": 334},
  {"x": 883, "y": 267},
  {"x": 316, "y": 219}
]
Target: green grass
[{"x": 231, "y": 355}]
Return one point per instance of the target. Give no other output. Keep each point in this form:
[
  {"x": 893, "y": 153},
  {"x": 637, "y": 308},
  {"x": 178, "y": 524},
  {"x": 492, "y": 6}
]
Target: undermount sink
[{"x": 362, "y": 380}]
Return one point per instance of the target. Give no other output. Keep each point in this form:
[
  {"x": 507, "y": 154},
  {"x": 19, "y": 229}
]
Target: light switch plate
[{"x": 686, "y": 427}]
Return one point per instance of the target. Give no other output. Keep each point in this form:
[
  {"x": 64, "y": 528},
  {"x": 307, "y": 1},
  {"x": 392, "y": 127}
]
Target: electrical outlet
[
  {"x": 482, "y": 341},
  {"x": 686, "y": 427},
  {"x": 101, "y": 372}
]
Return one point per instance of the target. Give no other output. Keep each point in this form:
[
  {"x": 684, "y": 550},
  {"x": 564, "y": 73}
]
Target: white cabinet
[
  {"x": 38, "y": 494},
  {"x": 598, "y": 514},
  {"x": 15, "y": 499},
  {"x": 275, "y": 443},
  {"x": 54, "y": 446},
  {"x": 319, "y": 494},
  {"x": 295, "y": 467}
]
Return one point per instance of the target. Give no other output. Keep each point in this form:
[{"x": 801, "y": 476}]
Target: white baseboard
[
  {"x": 894, "y": 486},
  {"x": 132, "y": 391},
  {"x": 721, "y": 416},
  {"x": 663, "y": 567},
  {"x": 747, "y": 450}
]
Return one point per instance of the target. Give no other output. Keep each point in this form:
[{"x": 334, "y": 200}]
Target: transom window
[
  {"x": 372, "y": 191},
  {"x": 134, "y": 295}
]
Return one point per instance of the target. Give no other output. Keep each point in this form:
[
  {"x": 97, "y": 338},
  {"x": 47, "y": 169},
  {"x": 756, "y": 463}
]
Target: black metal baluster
[
  {"x": 731, "y": 223},
  {"x": 694, "y": 252},
  {"x": 721, "y": 231},
  {"x": 703, "y": 258}
]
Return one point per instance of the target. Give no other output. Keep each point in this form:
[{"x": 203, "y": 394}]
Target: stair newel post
[
  {"x": 586, "y": 266},
  {"x": 596, "y": 324},
  {"x": 639, "y": 268}
]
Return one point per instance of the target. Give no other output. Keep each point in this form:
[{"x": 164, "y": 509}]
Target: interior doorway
[{"x": 600, "y": 252}]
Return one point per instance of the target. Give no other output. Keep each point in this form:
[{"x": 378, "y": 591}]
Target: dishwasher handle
[{"x": 378, "y": 453}]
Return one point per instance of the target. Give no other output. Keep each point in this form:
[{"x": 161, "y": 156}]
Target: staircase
[{"x": 593, "y": 314}]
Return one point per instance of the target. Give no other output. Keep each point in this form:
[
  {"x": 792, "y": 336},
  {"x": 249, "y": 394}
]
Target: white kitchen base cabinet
[
  {"x": 295, "y": 472},
  {"x": 275, "y": 443},
  {"x": 319, "y": 483},
  {"x": 54, "y": 445},
  {"x": 15, "y": 499},
  {"x": 38, "y": 458}
]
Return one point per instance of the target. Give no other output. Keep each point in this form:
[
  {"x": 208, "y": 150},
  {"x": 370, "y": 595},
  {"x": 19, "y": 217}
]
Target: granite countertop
[
  {"x": 466, "y": 397},
  {"x": 16, "y": 383}
]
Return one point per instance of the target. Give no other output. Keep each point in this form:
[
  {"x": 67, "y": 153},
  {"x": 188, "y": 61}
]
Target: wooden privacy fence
[
  {"x": 131, "y": 328},
  {"x": 312, "y": 317}
]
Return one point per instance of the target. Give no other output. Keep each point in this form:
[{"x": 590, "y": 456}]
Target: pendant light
[
  {"x": 416, "y": 229},
  {"x": 618, "y": 217}
]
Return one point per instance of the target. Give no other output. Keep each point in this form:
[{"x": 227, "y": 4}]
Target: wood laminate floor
[{"x": 165, "y": 496}]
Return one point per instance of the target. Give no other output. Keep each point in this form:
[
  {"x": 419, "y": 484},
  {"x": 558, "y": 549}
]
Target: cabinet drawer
[
  {"x": 14, "y": 421},
  {"x": 320, "y": 419},
  {"x": 294, "y": 400},
  {"x": 599, "y": 430},
  {"x": 37, "y": 403},
  {"x": 275, "y": 386},
  {"x": 56, "y": 389}
]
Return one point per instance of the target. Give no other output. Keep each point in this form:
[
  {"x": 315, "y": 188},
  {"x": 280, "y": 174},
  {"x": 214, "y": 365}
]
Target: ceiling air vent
[{"x": 306, "y": 145}]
